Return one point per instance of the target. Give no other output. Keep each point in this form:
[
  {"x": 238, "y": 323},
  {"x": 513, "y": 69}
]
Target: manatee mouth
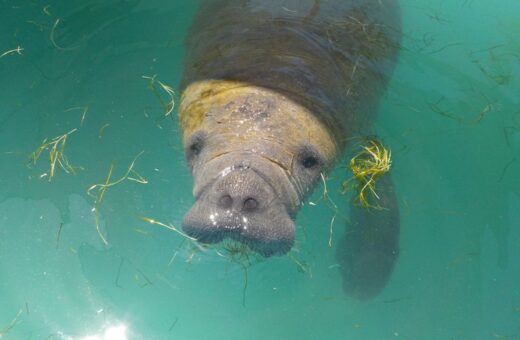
[{"x": 242, "y": 203}]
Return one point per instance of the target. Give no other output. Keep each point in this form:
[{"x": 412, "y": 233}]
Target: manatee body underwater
[{"x": 273, "y": 93}]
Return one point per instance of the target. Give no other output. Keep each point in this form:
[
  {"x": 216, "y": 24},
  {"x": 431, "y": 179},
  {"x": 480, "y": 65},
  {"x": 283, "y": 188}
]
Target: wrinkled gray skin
[
  {"x": 332, "y": 58},
  {"x": 243, "y": 203}
]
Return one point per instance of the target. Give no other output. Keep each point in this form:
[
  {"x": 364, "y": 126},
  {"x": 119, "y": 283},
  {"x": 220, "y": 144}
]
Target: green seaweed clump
[{"x": 372, "y": 162}]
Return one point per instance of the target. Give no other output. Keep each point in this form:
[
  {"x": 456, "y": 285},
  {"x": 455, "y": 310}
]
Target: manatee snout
[{"x": 240, "y": 202}]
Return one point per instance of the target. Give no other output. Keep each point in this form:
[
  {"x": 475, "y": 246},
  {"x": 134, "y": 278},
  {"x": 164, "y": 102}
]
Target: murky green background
[{"x": 451, "y": 117}]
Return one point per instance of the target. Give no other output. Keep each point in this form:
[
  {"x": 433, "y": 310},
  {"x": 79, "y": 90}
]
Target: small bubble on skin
[{"x": 213, "y": 217}]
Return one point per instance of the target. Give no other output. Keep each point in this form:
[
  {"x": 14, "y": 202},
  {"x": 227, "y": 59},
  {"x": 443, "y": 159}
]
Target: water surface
[{"x": 451, "y": 117}]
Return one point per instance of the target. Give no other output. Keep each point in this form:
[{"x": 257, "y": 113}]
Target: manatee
[{"x": 273, "y": 93}]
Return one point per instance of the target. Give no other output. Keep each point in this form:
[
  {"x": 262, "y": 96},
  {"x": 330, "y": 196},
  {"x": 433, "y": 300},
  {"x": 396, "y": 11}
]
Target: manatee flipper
[{"x": 369, "y": 249}]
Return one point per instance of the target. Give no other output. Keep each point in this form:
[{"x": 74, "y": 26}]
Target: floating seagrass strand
[{"x": 372, "y": 162}]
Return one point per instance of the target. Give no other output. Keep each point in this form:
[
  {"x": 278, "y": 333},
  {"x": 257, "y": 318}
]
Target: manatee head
[{"x": 254, "y": 154}]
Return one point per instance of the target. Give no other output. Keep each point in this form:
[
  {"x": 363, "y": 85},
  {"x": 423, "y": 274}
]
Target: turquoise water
[{"x": 451, "y": 116}]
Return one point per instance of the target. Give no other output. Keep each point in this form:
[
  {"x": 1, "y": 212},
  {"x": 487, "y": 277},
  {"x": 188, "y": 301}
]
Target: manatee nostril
[
  {"x": 225, "y": 202},
  {"x": 250, "y": 204}
]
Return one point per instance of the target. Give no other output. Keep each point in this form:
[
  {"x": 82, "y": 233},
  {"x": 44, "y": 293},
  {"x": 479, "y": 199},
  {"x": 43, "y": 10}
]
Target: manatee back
[{"x": 332, "y": 56}]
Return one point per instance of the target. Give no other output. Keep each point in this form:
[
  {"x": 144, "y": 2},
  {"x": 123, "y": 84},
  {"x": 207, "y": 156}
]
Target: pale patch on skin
[{"x": 279, "y": 124}]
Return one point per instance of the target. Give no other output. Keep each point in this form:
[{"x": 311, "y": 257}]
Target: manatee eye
[
  {"x": 309, "y": 158},
  {"x": 195, "y": 146},
  {"x": 309, "y": 162}
]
